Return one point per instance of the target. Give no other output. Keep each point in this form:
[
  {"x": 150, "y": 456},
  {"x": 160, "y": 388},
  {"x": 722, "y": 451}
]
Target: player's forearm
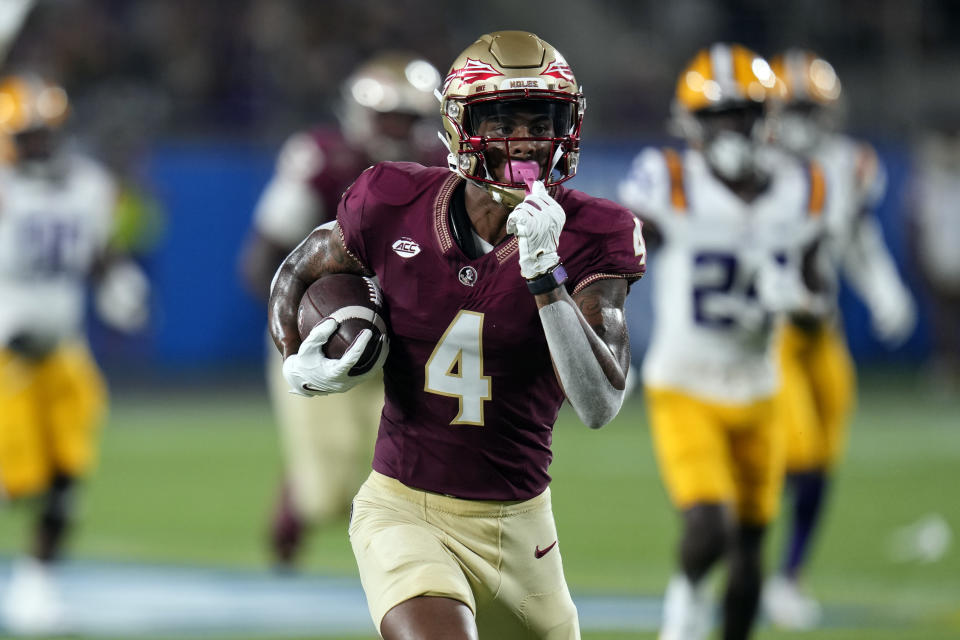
[
  {"x": 258, "y": 264},
  {"x": 592, "y": 373},
  {"x": 869, "y": 267},
  {"x": 321, "y": 253}
]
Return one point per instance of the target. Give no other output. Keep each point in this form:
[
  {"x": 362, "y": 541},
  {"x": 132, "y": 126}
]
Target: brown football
[{"x": 353, "y": 301}]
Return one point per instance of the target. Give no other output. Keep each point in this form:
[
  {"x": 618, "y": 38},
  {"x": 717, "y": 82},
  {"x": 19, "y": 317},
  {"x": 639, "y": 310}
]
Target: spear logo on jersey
[
  {"x": 560, "y": 70},
  {"x": 471, "y": 72}
]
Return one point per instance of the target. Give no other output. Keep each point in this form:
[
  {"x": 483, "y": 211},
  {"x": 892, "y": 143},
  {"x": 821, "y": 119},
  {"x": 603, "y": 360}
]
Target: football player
[
  {"x": 731, "y": 215},
  {"x": 818, "y": 376},
  {"x": 55, "y": 226},
  {"x": 326, "y": 444},
  {"x": 505, "y": 297},
  {"x": 933, "y": 232}
]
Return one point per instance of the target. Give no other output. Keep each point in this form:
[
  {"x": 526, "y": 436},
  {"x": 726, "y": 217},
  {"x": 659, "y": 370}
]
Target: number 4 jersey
[
  {"x": 712, "y": 331},
  {"x": 471, "y": 394}
]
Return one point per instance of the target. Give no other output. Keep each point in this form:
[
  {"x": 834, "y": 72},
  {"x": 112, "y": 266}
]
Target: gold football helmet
[
  {"x": 811, "y": 105},
  {"x": 384, "y": 103},
  {"x": 31, "y": 109},
  {"x": 719, "y": 106},
  {"x": 500, "y": 74}
]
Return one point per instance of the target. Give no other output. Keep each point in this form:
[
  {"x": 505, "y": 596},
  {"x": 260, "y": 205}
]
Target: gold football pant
[
  {"x": 714, "y": 453},
  {"x": 816, "y": 396},
  {"x": 327, "y": 442},
  {"x": 501, "y": 559},
  {"x": 50, "y": 412}
]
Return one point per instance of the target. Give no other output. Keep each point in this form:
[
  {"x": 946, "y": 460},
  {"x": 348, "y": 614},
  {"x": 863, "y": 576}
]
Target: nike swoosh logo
[{"x": 539, "y": 553}]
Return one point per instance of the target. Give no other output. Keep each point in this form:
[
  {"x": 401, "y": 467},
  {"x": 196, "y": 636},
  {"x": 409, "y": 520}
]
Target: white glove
[
  {"x": 893, "y": 316},
  {"x": 537, "y": 222},
  {"x": 310, "y": 373},
  {"x": 122, "y": 297}
]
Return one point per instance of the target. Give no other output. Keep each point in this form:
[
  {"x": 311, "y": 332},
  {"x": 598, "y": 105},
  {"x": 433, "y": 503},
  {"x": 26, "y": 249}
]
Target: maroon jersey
[
  {"x": 339, "y": 165},
  {"x": 471, "y": 394}
]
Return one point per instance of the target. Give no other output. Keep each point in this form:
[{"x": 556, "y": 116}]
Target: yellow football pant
[
  {"x": 50, "y": 412},
  {"x": 714, "y": 453},
  {"x": 816, "y": 396}
]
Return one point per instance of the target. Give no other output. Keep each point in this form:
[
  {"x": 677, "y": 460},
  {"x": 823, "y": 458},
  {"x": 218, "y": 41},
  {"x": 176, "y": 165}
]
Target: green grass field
[{"x": 188, "y": 477}]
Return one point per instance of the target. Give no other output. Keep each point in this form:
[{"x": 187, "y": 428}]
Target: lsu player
[
  {"x": 731, "y": 215},
  {"x": 56, "y": 211},
  {"x": 818, "y": 376},
  {"x": 326, "y": 444},
  {"x": 504, "y": 297}
]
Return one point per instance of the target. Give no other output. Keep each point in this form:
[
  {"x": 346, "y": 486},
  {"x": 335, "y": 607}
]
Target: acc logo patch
[
  {"x": 405, "y": 247},
  {"x": 468, "y": 276}
]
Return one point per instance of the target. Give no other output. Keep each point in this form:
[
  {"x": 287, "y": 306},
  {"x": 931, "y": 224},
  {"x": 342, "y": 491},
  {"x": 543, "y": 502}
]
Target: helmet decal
[
  {"x": 472, "y": 71},
  {"x": 560, "y": 70}
]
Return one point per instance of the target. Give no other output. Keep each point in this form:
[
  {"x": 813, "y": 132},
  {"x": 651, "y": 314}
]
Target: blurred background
[
  {"x": 179, "y": 94},
  {"x": 188, "y": 101}
]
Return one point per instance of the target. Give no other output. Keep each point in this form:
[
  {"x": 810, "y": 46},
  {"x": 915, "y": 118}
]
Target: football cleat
[
  {"x": 31, "y": 603},
  {"x": 687, "y": 611},
  {"x": 788, "y": 607}
]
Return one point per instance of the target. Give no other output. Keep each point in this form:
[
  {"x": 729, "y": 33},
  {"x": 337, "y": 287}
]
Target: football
[{"x": 353, "y": 301}]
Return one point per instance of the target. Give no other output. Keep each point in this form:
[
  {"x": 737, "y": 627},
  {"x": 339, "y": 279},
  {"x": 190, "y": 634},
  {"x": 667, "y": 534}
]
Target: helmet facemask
[
  {"x": 730, "y": 138},
  {"x": 812, "y": 104},
  {"x": 503, "y": 130},
  {"x": 801, "y": 126},
  {"x": 720, "y": 104}
]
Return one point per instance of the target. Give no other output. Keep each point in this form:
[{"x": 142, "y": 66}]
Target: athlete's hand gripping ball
[
  {"x": 310, "y": 373},
  {"x": 537, "y": 222}
]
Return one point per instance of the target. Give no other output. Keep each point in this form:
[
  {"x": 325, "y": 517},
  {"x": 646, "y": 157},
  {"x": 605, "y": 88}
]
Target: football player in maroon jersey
[
  {"x": 504, "y": 294},
  {"x": 383, "y": 115}
]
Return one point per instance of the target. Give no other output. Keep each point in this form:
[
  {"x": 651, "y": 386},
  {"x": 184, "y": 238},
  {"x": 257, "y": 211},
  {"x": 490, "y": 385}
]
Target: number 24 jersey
[{"x": 712, "y": 333}]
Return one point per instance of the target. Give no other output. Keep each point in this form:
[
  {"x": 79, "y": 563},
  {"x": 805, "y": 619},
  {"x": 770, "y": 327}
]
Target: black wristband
[{"x": 548, "y": 281}]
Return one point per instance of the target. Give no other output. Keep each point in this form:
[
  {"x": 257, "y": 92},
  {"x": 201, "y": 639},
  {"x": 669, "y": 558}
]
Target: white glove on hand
[
  {"x": 122, "y": 297},
  {"x": 893, "y": 316},
  {"x": 310, "y": 373},
  {"x": 537, "y": 222}
]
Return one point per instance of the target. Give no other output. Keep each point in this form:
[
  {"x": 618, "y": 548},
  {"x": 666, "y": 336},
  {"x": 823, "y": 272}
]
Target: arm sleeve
[{"x": 870, "y": 269}]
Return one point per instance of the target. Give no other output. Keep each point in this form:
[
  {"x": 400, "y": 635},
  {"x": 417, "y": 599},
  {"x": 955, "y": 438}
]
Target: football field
[{"x": 187, "y": 477}]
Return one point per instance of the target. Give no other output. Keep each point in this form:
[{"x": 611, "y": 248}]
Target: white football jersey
[
  {"x": 854, "y": 242},
  {"x": 51, "y": 233},
  {"x": 937, "y": 218},
  {"x": 712, "y": 334},
  {"x": 857, "y": 182}
]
